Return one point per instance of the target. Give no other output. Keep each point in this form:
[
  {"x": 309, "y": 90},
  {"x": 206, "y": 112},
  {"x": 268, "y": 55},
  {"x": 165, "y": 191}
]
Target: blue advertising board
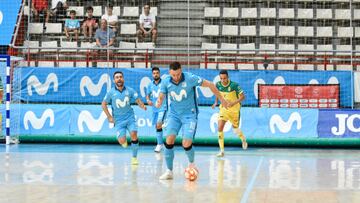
[{"x": 8, "y": 15}]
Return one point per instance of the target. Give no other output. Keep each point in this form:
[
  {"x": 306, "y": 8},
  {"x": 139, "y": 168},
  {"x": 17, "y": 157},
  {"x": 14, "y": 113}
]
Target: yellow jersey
[{"x": 230, "y": 93}]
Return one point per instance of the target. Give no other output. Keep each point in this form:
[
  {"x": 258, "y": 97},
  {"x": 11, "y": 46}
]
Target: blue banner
[
  {"x": 8, "y": 15},
  {"x": 79, "y": 85},
  {"x": 339, "y": 124}
]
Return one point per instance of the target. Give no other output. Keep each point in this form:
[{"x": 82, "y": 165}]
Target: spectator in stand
[
  {"x": 147, "y": 26},
  {"x": 40, "y": 7},
  {"x": 111, "y": 19},
  {"x": 90, "y": 23},
  {"x": 105, "y": 37},
  {"x": 57, "y": 7},
  {"x": 72, "y": 25}
]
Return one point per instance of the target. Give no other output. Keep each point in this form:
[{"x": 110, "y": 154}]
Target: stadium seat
[
  {"x": 305, "y": 66},
  {"x": 207, "y": 46},
  {"x": 131, "y": 12},
  {"x": 269, "y": 67},
  {"x": 46, "y": 64},
  {"x": 97, "y": 11},
  {"x": 141, "y": 65},
  {"x": 267, "y": 48},
  {"x": 116, "y": 10},
  {"x": 128, "y": 29},
  {"x": 357, "y": 31},
  {"x": 286, "y": 67},
  {"x": 344, "y": 67},
  {"x": 345, "y": 32},
  {"x": 26, "y": 64},
  {"x": 357, "y": 48},
  {"x": 69, "y": 64},
  {"x": 209, "y": 66},
  {"x": 225, "y": 46},
  {"x": 342, "y": 14},
  {"x": 35, "y": 28},
  {"x": 305, "y": 13},
  {"x": 212, "y": 12},
  {"x": 144, "y": 46},
  {"x": 247, "y": 46},
  {"x": 226, "y": 66},
  {"x": 64, "y": 44},
  {"x": 329, "y": 67},
  {"x": 49, "y": 44},
  {"x": 82, "y": 64},
  {"x": 286, "y": 31},
  {"x": 78, "y": 9},
  {"x": 211, "y": 30},
  {"x": 230, "y": 12},
  {"x": 268, "y": 13},
  {"x": 26, "y": 10},
  {"x": 305, "y": 31},
  {"x": 285, "y": 13},
  {"x": 230, "y": 30},
  {"x": 85, "y": 45},
  {"x": 153, "y": 10},
  {"x": 327, "y": 49},
  {"x": 323, "y": 14},
  {"x": 347, "y": 48},
  {"x": 245, "y": 66},
  {"x": 105, "y": 64},
  {"x": 306, "y": 47},
  {"x": 324, "y": 32},
  {"x": 290, "y": 47},
  {"x": 31, "y": 44},
  {"x": 249, "y": 30},
  {"x": 356, "y": 14},
  {"x": 267, "y": 30},
  {"x": 53, "y": 28},
  {"x": 128, "y": 47},
  {"x": 248, "y": 13},
  {"x": 123, "y": 64}
]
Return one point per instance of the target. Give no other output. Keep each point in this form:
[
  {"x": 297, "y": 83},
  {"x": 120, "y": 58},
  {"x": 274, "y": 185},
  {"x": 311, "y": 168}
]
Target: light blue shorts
[
  {"x": 128, "y": 124},
  {"x": 187, "y": 123},
  {"x": 158, "y": 117}
]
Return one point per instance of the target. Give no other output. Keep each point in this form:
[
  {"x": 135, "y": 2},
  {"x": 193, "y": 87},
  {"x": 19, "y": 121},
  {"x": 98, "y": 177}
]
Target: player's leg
[
  {"x": 121, "y": 134},
  {"x": 132, "y": 128},
  {"x": 173, "y": 126},
  {"x": 159, "y": 131},
  {"x": 221, "y": 124},
  {"x": 189, "y": 124},
  {"x": 235, "y": 120}
]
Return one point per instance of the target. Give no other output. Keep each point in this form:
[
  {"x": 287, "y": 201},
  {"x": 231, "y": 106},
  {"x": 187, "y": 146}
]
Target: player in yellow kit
[{"x": 233, "y": 93}]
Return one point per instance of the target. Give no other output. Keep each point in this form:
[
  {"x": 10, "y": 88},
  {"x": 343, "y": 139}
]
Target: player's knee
[
  {"x": 135, "y": 141},
  {"x": 188, "y": 148},
  {"x": 159, "y": 129},
  {"x": 168, "y": 146}
]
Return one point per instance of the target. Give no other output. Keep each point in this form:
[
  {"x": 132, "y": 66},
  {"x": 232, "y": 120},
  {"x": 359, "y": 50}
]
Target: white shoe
[
  {"x": 244, "y": 144},
  {"x": 158, "y": 148},
  {"x": 220, "y": 154},
  {"x": 168, "y": 175}
]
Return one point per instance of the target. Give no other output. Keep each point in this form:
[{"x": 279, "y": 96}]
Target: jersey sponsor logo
[
  {"x": 144, "y": 82},
  {"x": 178, "y": 97},
  {"x": 38, "y": 123},
  {"x": 40, "y": 88},
  {"x": 122, "y": 103},
  {"x": 284, "y": 126},
  {"x": 346, "y": 122},
  {"x": 155, "y": 94},
  {"x": 93, "y": 124},
  {"x": 94, "y": 89}
]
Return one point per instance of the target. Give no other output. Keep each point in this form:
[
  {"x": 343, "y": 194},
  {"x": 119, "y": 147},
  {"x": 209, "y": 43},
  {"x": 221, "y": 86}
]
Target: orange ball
[{"x": 191, "y": 173}]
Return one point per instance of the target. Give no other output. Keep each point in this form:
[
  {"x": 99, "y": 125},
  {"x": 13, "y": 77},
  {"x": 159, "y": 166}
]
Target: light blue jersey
[
  {"x": 183, "y": 95},
  {"x": 153, "y": 91},
  {"x": 72, "y": 23},
  {"x": 120, "y": 102}
]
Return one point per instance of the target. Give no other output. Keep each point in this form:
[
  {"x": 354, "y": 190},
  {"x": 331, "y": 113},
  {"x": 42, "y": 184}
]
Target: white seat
[
  {"x": 290, "y": 47},
  {"x": 269, "y": 67},
  {"x": 68, "y": 45},
  {"x": 357, "y": 31},
  {"x": 35, "y": 28},
  {"x": 230, "y": 12},
  {"x": 31, "y": 44},
  {"x": 357, "y": 48},
  {"x": 226, "y": 66},
  {"x": 48, "y": 64},
  {"x": 343, "y": 14},
  {"x": 126, "y": 47},
  {"x": 128, "y": 29},
  {"x": 116, "y": 10},
  {"x": 49, "y": 44},
  {"x": 145, "y": 45},
  {"x": 142, "y": 65},
  {"x": 225, "y": 46},
  {"x": 69, "y": 64},
  {"x": 211, "y": 30},
  {"x": 286, "y": 13},
  {"x": 267, "y": 30},
  {"x": 131, "y": 12},
  {"x": 105, "y": 64},
  {"x": 345, "y": 32},
  {"x": 97, "y": 11},
  {"x": 153, "y": 11},
  {"x": 247, "y": 46},
  {"x": 305, "y": 67},
  {"x": 27, "y": 63},
  {"x": 85, "y": 45},
  {"x": 123, "y": 64},
  {"x": 248, "y": 13},
  {"x": 245, "y": 66},
  {"x": 305, "y": 31},
  {"x": 267, "y": 48},
  {"x": 208, "y": 66},
  {"x": 286, "y": 67},
  {"x": 305, "y": 13},
  {"x": 324, "y": 32},
  {"x": 287, "y": 31},
  {"x": 268, "y": 13},
  {"x": 325, "y": 48},
  {"x": 78, "y": 9},
  {"x": 344, "y": 67},
  {"x": 26, "y": 10},
  {"x": 83, "y": 64},
  {"x": 346, "y": 48},
  {"x": 306, "y": 47},
  {"x": 230, "y": 30},
  {"x": 207, "y": 46},
  {"x": 249, "y": 30},
  {"x": 356, "y": 14},
  {"x": 212, "y": 12},
  {"x": 53, "y": 28},
  {"x": 329, "y": 67},
  {"x": 323, "y": 14}
]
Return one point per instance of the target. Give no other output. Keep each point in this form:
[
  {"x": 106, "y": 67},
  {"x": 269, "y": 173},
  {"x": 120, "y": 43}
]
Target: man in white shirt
[
  {"x": 147, "y": 26},
  {"x": 111, "y": 19}
]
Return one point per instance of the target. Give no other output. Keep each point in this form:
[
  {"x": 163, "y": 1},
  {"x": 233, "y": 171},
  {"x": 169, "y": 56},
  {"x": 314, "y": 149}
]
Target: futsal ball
[{"x": 191, "y": 173}]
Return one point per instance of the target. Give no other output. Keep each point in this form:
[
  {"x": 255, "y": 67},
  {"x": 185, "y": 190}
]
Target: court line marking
[{"x": 250, "y": 186}]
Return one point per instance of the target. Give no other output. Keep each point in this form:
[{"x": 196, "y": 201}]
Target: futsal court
[{"x": 102, "y": 173}]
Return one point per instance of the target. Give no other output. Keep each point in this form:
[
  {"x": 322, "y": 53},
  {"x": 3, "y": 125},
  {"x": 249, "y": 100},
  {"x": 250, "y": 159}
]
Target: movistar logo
[
  {"x": 93, "y": 124},
  {"x": 214, "y": 123},
  {"x": 42, "y": 89},
  {"x": 38, "y": 123},
  {"x": 122, "y": 104},
  {"x": 284, "y": 126},
  {"x": 145, "y": 81},
  {"x": 1, "y": 17},
  {"x": 156, "y": 93},
  {"x": 178, "y": 97},
  {"x": 94, "y": 89}
]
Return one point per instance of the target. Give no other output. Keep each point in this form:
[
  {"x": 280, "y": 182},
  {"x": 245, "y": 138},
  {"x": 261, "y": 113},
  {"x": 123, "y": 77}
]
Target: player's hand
[
  {"x": 149, "y": 103},
  {"x": 157, "y": 104},
  {"x": 231, "y": 104},
  {"x": 144, "y": 107},
  {"x": 224, "y": 103},
  {"x": 111, "y": 119},
  {"x": 214, "y": 105}
]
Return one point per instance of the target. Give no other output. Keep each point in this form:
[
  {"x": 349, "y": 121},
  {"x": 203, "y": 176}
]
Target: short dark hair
[
  {"x": 73, "y": 12},
  {"x": 116, "y": 72},
  {"x": 89, "y": 8},
  {"x": 175, "y": 66},
  {"x": 155, "y": 68},
  {"x": 110, "y": 5},
  {"x": 147, "y": 4},
  {"x": 224, "y": 72}
]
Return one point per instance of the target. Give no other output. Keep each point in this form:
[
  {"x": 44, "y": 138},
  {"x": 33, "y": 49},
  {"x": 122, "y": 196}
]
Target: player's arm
[
  {"x": 160, "y": 100},
  {"x": 140, "y": 103},
  {"x": 105, "y": 109},
  {"x": 215, "y": 91},
  {"x": 239, "y": 100},
  {"x": 148, "y": 100},
  {"x": 215, "y": 103}
]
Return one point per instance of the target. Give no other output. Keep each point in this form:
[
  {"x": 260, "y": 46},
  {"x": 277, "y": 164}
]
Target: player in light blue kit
[
  {"x": 183, "y": 111},
  {"x": 120, "y": 98},
  {"x": 152, "y": 93}
]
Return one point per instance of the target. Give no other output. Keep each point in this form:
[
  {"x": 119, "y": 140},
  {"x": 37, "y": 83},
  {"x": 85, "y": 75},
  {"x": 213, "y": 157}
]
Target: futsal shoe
[
  {"x": 125, "y": 144},
  {"x": 134, "y": 161},
  {"x": 168, "y": 175},
  {"x": 244, "y": 144},
  {"x": 221, "y": 154},
  {"x": 158, "y": 148}
]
